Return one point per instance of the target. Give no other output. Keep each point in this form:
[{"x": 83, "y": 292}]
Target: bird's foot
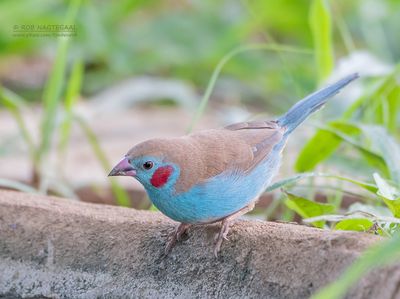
[
  {"x": 221, "y": 236},
  {"x": 175, "y": 236},
  {"x": 226, "y": 222}
]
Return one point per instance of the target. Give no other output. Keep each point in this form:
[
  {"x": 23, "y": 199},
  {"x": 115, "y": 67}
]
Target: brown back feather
[{"x": 206, "y": 154}]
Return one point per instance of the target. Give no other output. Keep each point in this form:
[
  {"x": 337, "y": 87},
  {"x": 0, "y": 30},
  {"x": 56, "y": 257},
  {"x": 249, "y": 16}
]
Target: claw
[
  {"x": 216, "y": 250},
  {"x": 169, "y": 246},
  {"x": 175, "y": 236},
  {"x": 221, "y": 236},
  {"x": 216, "y": 236}
]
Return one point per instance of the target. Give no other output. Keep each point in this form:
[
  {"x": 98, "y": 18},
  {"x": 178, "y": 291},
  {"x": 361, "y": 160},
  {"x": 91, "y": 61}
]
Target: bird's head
[{"x": 149, "y": 163}]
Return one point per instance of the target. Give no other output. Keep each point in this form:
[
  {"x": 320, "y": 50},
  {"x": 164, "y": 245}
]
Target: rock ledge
[{"x": 59, "y": 248}]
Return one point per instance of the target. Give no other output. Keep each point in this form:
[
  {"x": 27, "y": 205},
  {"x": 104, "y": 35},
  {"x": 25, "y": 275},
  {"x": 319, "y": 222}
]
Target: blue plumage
[
  {"x": 216, "y": 175},
  {"x": 302, "y": 109},
  {"x": 219, "y": 196}
]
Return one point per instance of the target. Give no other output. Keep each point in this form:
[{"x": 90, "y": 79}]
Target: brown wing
[
  {"x": 261, "y": 136},
  {"x": 253, "y": 125},
  {"x": 206, "y": 154},
  {"x": 239, "y": 146}
]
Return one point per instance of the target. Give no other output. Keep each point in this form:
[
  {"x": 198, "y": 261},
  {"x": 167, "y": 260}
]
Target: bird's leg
[
  {"x": 175, "y": 236},
  {"x": 226, "y": 222}
]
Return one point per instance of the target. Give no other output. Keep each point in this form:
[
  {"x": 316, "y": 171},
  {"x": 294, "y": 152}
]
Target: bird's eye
[{"x": 148, "y": 165}]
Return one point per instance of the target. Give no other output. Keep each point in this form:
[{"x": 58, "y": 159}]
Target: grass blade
[
  {"x": 54, "y": 85},
  {"x": 224, "y": 60},
  {"x": 289, "y": 181},
  {"x": 381, "y": 254},
  {"x": 52, "y": 95},
  {"x": 15, "y": 185},
  {"x": 381, "y": 88},
  {"x": 13, "y": 103},
  {"x": 72, "y": 94},
  {"x": 393, "y": 100},
  {"x": 321, "y": 29},
  {"x": 120, "y": 194}
]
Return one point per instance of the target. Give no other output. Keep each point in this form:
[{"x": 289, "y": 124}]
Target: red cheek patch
[{"x": 161, "y": 176}]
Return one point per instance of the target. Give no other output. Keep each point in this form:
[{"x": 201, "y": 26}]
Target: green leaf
[
  {"x": 343, "y": 131},
  {"x": 307, "y": 208},
  {"x": 353, "y": 215},
  {"x": 389, "y": 194},
  {"x": 321, "y": 146},
  {"x": 321, "y": 29},
  {"x": 393, "y": 99},
  {"x": 380, "y": 254},
  {"x": 360, "y": 224},
  {"x": 386, "y": 147},
  {"x": 376, "y": 210},
  {"x": 327, "y": 140}
]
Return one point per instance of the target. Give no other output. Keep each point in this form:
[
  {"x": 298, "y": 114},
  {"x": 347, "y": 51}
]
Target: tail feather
[{"x": 302, "y": 109}]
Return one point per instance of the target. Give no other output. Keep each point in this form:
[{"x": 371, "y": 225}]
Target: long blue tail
[{"x": 302, "y": 109}]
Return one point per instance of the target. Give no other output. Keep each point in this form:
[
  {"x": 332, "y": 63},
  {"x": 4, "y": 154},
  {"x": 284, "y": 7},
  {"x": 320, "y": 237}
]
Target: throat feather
[{"x": 161, "y": 175}]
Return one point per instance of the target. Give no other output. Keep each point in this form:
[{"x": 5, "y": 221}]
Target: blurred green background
[
  {"x": 193, "y": 64},
  {"x": 186, "y": 39},
  {"x": 258, "y": 57}
]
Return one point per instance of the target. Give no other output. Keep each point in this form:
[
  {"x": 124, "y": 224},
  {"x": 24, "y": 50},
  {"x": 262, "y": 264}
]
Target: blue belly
[{"x": 219, "y": 196}]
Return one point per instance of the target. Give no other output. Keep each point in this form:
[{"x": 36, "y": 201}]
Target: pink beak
[{"x": 123, "y": 168}]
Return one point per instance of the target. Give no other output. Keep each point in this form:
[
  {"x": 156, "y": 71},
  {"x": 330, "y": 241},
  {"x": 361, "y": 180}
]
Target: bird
[{"x": 216, "y": 175}]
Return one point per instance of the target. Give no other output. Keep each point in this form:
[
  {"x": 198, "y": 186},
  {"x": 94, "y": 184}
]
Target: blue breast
[{"x": 219, "y": 196}]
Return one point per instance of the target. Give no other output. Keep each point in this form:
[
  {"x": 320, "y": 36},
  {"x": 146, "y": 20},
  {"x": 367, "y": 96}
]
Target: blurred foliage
[
  {"x": 379, "y": 255},
  {"x": 186, "y": 39},
  {"x": 321, "y": 28},
  {"x": 39, "y": 153}
]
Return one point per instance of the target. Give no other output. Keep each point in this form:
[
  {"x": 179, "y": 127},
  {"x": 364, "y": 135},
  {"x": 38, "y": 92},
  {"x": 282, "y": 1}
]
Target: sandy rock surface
[{"x": 58, "y": 248}]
